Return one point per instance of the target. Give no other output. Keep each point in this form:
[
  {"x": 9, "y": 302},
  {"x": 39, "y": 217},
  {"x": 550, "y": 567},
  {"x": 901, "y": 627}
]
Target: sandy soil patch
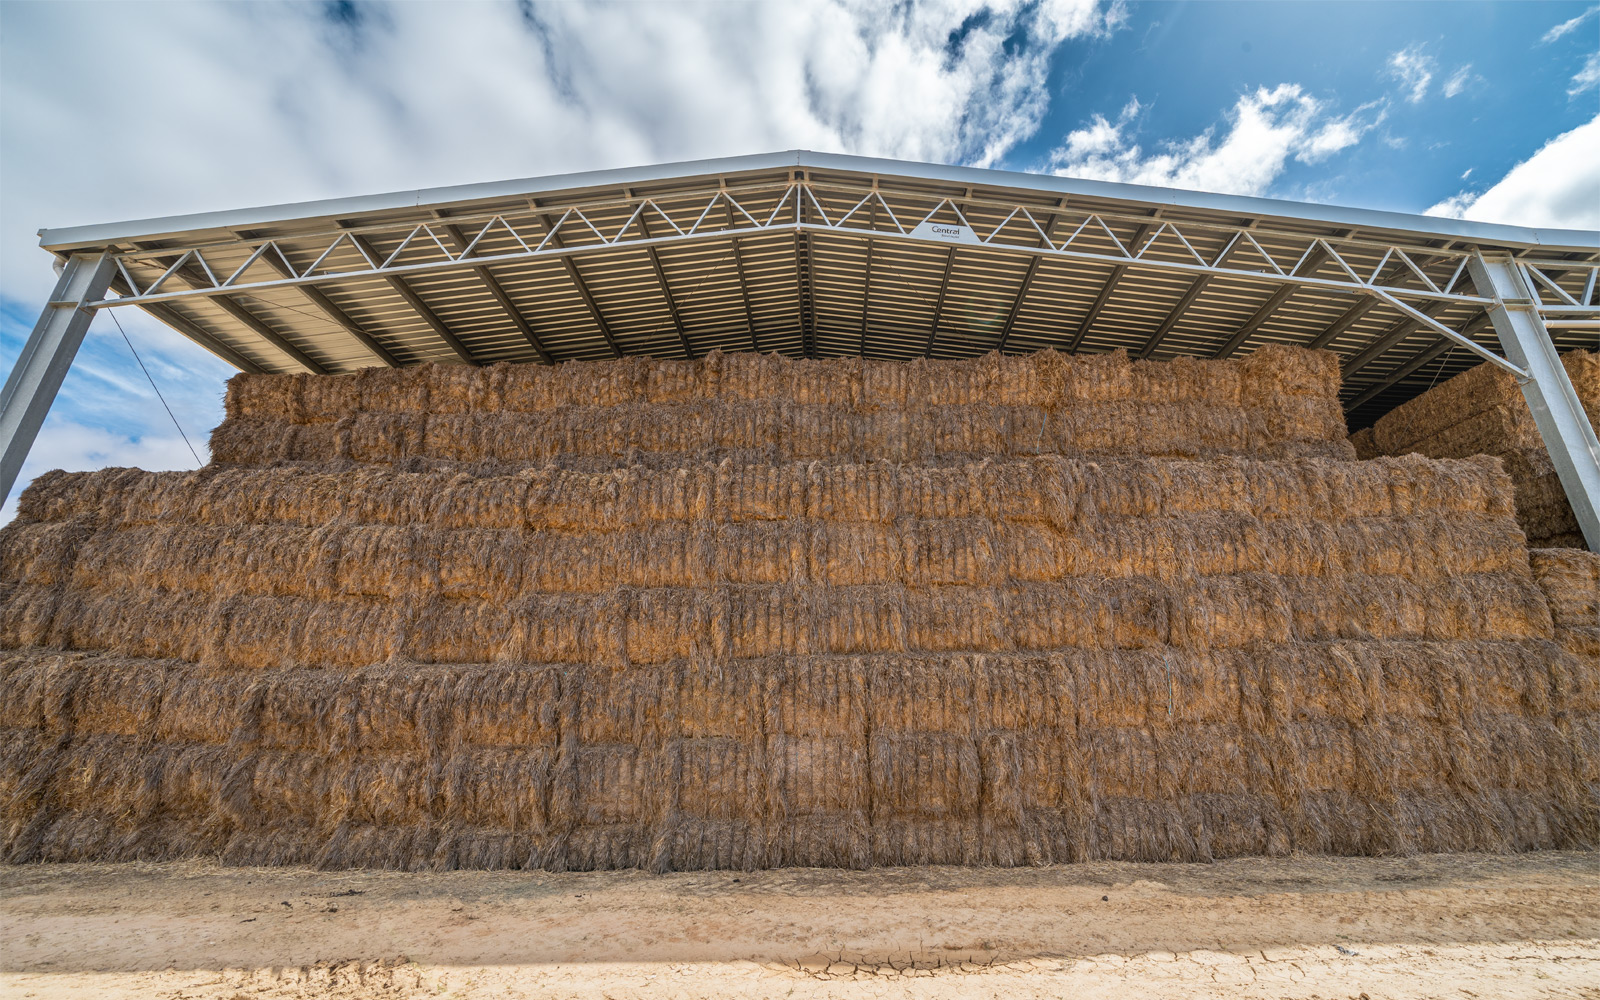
[{"x": 1433, "y": 926}]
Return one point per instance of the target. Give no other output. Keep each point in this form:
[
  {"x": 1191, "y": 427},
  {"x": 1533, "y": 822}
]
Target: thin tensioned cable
[
  {"x": 153, "y": 385},
  {"x": 1442, "y": 362}
]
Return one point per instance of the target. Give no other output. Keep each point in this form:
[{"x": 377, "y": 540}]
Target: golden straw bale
[
  {"x": 814, "y": 696},
  {"x": 1152, "y": 687},
  {"x": 1474, "y": 391},
  {"x": 924, "y": 840},
  {"x": 1465, "y": 607},
  {"x": 1092, "y": 614},
  {"x": 618, "y": 783},
  {"x": 265, "y": 397},
  {"x": 59, "y": 495},
  {"x": 693, "y": 411},
  {"x": 393, "y": 390},
  {"x": 826, "y": 840},
  {"x": 698, "y": 844},
  {"x": 742, "y": 376},
  {"x": 324, "y": 399},
  {"x": 1097, "y": 376},
  {"x": 40, "y": 554},
  {"x": 387, "y": 438},
  {"x": 1165, "y": 764},
  {"x": 1277, "y": 368},
  {"x": 1483, "y": 411},
  {"x": 716, "y": 778},
  {"x": 1024, "y": 692},
  {"x": 744, "y": 611},
  {"x": 1583, "y": 642},
  {"x": 816, "y": 776},
  {"x": 1134, "y": 829},
  {"x": 1364, "y": 444},
  {"x": 40, "y": 690},
  {"x": 1570, "y": 579},
  {"x": 602, "y": 383},
  {"x": 458, "y": 389},
  {"x": 1228, "y": 612},
  {"x": 913, "y": 694},
  {"x": 1065, "y": 491}
]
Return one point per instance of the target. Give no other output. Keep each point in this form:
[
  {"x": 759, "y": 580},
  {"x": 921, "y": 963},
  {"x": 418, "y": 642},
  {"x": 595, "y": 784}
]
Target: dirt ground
[{"x": 1433, "y": 926}]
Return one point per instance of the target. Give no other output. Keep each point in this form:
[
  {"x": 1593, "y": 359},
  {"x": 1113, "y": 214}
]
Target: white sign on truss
[{"x": 945, "y": 232}]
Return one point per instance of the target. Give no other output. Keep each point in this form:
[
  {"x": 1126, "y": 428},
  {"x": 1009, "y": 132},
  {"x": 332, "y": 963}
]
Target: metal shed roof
[{"x": 826, "y": 255}]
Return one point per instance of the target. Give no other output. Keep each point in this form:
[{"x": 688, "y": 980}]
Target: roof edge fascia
[{"x": 62, "y": 240}]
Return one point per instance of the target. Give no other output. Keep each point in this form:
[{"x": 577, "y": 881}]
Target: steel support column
[
  {"x": 1556, "y": 410},
  {"x": 32, "y": 385}
]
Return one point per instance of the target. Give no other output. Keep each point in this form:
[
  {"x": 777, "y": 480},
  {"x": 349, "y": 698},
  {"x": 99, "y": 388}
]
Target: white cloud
[
  {"x": 1587, "y": 77},
  {"x": 244, "y": 104},
  {"x": 1414, "y": 69},
  {"x": 106, "y": 413},
  {"x": 1264, "y": 130},
  {"x": 1568, "y": 26},
  {"x": 64, "y": 444},
  {"x": 1558, "y": 187},
  {"x": 1458, "y": 81}
]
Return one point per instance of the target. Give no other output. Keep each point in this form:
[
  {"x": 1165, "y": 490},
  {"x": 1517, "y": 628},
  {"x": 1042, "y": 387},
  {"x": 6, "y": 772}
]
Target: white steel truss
[
  {"x": 1406, "y": 278},
  {"x": 1557, "y": 306},
  {"x": 1388, "y": 270}
]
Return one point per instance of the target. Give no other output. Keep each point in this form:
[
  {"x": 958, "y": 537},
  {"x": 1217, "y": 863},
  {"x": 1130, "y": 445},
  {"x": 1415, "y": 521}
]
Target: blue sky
[{"x": 129, "y": 110}]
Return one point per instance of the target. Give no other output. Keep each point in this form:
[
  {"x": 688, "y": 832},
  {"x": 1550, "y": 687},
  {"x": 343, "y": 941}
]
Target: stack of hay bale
[
  {"x": 1570, "y": 579},
  {"x": 1482, "y": 412},
  {"x": 749, "y": 612}
]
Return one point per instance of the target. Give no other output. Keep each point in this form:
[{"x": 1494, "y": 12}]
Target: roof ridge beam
[
  {"x": 1388, "y": 339},
  {"x": 949, "y": 266},
  {"x": 196, "y": 279},
  {"x": 277, "y": 339},
  {"x": 938, "y": 305},
  {"x": 1411, "y": 366},
  {"x": 804, "y": 284},
  {"x": 1027, "y": 279}
]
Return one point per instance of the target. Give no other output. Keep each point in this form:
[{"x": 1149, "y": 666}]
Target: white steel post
[
  {"x": 32, "y": 385},
  {"x": 1559, "y": 415}
]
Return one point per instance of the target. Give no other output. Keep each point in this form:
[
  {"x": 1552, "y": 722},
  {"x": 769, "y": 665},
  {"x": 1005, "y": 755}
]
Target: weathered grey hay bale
[
  {"x": 1483, "y": 412},
  {"x": 745, "y": 612}
]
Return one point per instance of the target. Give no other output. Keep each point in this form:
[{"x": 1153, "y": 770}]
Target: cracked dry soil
[{"x": 1432, "y": 926}]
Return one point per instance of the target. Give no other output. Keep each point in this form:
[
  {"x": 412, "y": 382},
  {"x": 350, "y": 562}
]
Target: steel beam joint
[
  {"x": 31, "y": 387},
  {"x": 1559, "y": 415}
]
